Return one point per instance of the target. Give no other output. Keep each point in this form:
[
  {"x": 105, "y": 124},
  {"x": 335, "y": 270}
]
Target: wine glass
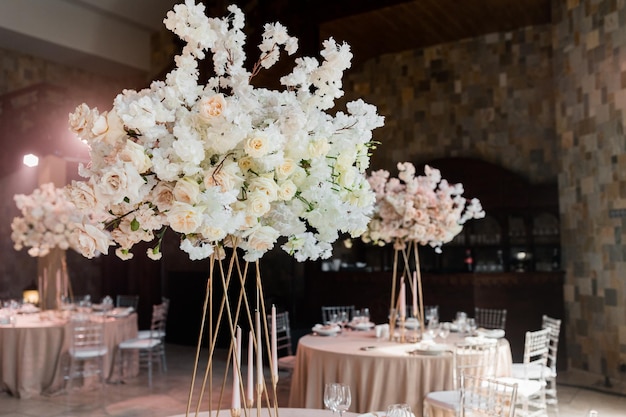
[
  {"x": 343, "y": 319},
  {"x": 444, "y": 330},
  {"x": 344, "y": 398},
  {"x": 330, "y": 396},
  {"x": 471, "y": 326}
]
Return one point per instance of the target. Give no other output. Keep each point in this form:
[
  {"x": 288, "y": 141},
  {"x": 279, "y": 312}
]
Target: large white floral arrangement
[
  {"x": 422, "y": 209},
  {"x": 48, "y": 221},
  {"x": 225, "y": 163}
]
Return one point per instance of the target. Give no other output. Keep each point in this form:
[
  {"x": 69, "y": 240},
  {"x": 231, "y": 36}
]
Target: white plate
[
  {"x": 492, "y": 333},
  {"x": 328, "y": 330},
  {"x": 28, "y": 309},
  {"x": 412, "y": 324},
  {"x": 362, "y": 326},
  {"x": 376, "y": 414},
  {"x": 120, "y": 312}
]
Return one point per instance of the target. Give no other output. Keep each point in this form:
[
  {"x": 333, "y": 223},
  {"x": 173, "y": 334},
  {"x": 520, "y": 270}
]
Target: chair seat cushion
[
  {"x": 88, "y": 353},
  {"x": 525, "y": 387},
  {"x": 287, "y": 362},
  {"x": 147, "y": 334},
  {"x": 532, "y": 371},
  {"x": 139, "y": 343},
  {"x": 449, "y": 400}
]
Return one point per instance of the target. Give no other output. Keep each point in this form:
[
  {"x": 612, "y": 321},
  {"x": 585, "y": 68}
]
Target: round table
[
  {"x": 379, "y": 373},
  {"x": 282, "y": 412},
  {"x": 32, "y": 351}
]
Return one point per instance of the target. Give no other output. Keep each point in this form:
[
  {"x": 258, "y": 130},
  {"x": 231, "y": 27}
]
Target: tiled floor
[{"x": 170, "y": 392}]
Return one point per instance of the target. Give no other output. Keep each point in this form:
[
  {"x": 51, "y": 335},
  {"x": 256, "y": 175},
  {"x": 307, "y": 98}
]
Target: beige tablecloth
[
  {"x": 33, "y": 354},
  {"x": 282, "y": 412},
  {"x": 382, "y": 375}
]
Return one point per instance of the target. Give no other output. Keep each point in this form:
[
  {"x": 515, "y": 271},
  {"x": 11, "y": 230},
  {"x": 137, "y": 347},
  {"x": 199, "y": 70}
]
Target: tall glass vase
[
  {"x": 53, "y": 281},
  {"x": 406, "y": 279}
]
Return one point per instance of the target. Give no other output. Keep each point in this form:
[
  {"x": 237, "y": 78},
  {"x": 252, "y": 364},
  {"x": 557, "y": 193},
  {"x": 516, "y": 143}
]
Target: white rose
[
  {"x": 82, "y": 195},
  {"x": 81, "y": 121},
  {"x": 264, "y": 185},
  {"x": 257, "y": 204},
  {"x": 119, "y": 182},
  {"x": 163, "y": 195},
  {"x": 287, "y": 190},
  {"x": 245, "y": 163},
  {"x": 256, "y": 146},
  {"x": 108, "y": 128},
  {"x": 318, "y": 148},
  {"x": 285, "y": 169},
  {"x": 184, "y": 218},
  {"x": 227, "y": 176},
  {"x": 90, "y": 240},
  {"x": 135, "y": 154},
  {"x": 211, "y": 107},
  {"x": 212, "y": 234},
  {"x": 347, "y": 177},
  {"x": 262, "y": 238},
  {"x": 186, "y": 190}
]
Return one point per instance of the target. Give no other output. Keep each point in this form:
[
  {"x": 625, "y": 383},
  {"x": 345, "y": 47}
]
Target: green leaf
[{"x": 134, "y": 225}]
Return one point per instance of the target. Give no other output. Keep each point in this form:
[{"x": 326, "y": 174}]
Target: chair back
[
  {"x": 555, "y": 330},
  {"x": 127, "y": 301},
  {"x": 490, "y": 318},
  {"x": 487, "y": 397},
  {"x": 475, "y": 359},
  {"x": 283, "y": 334},
  {"x": 536, "y": 351},
  {"x": 158, "y": 321},
  {"x": 329, "y": 311},
  {"x": 87, "y": 337}
]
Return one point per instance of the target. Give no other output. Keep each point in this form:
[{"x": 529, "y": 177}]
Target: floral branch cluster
[
  {"x": 48, "y": 221},
  {"x": 225, "y": 163},
  {"x": 423, "y": 209}
]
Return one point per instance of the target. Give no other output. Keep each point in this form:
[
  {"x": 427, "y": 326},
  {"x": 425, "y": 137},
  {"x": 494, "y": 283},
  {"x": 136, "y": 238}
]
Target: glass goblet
[
  {"x": 399, "y": 410},
  {"x": 330, "y": 396},
  {"x": 444, "y": 330},
  {"x": 344, "y": 398}
]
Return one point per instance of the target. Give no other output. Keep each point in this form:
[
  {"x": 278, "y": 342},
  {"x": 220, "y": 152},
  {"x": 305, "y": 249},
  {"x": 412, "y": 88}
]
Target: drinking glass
[
  {"x": 343, "y": 319},
  {"x": 366, "y": 315},
  {"x": 330, "y": 396},
  {"x": 399, "y": 410},
  {"x": 444, "y": 330},
  {"x": 344, "y": 398},
  {"x": 471, "y": 326}
]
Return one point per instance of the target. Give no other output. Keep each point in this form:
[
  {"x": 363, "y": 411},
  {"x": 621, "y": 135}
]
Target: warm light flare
[{"x": 31, "y": 160}]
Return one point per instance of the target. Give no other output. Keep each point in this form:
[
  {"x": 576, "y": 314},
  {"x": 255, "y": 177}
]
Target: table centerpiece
[
  {"x": 415, "y": 210},
  {"x": 232, "y": 169},
  {"x": 46, "y": 227}
]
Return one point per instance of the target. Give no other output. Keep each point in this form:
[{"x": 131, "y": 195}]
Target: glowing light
[{"x": 31, "y": 160}]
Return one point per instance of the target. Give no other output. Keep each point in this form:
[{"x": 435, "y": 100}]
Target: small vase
[{"x": 53, "y": 280}]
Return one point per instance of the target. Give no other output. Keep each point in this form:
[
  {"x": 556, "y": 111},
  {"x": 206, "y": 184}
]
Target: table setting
[
  {"x": 374, "y": 365},
  {"x": 33, "y": 347}
]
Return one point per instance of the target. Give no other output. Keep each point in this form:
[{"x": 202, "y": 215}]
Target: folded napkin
[{"x": 381, "y": 330}]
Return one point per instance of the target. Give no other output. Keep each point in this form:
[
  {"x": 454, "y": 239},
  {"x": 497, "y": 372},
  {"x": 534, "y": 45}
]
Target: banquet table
[
  {"x": 282, "y": 412},
  {"x": 379, "y": 373},
  {"x": 34, "y": 351}
]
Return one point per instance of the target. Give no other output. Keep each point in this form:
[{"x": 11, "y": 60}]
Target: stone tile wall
[
  {"x": 489, "y": 97},
  {"x": 590, "y": 68}
]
